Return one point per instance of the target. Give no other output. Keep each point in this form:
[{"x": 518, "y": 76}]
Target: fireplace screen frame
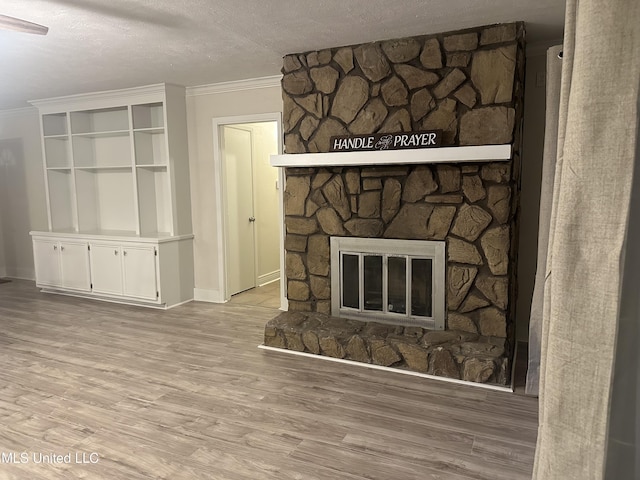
[{"x": 409, "y": 249}]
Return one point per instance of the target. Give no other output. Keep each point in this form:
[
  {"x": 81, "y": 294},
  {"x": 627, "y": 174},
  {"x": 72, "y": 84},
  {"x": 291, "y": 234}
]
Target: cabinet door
[
  {"x": 74, "y": 265},
  {"x": 47, "y": 262},
  {"x": 106, "y": 268},
  {"x": 139, "y": 268}
]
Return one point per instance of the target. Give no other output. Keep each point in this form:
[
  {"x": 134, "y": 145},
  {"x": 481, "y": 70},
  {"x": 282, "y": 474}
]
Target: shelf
[
  {"x": 150, "y": 115},
  {"x": 112, "y": 166},
  {"x": 56, "y": 151},
  {"x": 109, "y": 233},
  {"x": 108, "y": 167},
  {"x": 101, "y": 120},
  {"x": 112, "y": 133},
  {"x": 60, "y": 183},
  {"x": 54, "y": 124},
  {"x": 101, "y": 235},
  {"x": 481, "y": 153},
  {"x": 105, "y": 199},
  {"x": 150, "y": 147},
  {"x": 102, "y": 151},
  {"x": 62, "y": 136},
  {"x": 154, "y": 200},
  {"x": 151, "y": 131}
]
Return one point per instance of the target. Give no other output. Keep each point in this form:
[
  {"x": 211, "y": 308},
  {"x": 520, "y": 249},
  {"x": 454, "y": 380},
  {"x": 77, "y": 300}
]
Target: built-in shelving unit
[{"x": 114, "y": 168}]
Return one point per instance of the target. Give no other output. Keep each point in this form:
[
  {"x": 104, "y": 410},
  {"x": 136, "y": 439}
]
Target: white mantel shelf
[{"x": 480, "y": 153}]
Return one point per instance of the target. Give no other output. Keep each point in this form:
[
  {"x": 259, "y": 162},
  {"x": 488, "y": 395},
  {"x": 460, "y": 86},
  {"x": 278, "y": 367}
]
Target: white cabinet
[
  {"x": 62, "y": 264},
  {"x": 116, "y": 174},
  {"x": 156, "y": 272},
  {"x": 106, "y": 268},
  {"x": 139, "y": 271},
  {"x": 127, "y": 270},
  {"x": 47, "y": 262}
]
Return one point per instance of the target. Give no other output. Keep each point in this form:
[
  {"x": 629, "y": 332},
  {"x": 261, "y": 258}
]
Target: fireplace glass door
[{"x": 393, "y": 287}]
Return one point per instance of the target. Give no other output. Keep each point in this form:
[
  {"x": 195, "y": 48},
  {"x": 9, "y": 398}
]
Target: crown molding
[
  {"x": 82, "y": 101},
  {"x": 19, "y": 112},
  {"x": 235, "y": 86}
]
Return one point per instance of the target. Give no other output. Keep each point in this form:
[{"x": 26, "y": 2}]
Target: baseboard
[
  {"x": 268, "y": 278},
  {"x": 211, "y": 296},
  {"x": 19, "y": 274}
]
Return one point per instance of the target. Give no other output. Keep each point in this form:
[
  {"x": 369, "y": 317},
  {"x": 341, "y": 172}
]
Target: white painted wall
[
  {"x": 3, "y": 268},
  {"x": 532, "y": 148},
  {"x": 22, "y": 195},
  {"x": 265, "y": 144},
  {"x": 202, "y": 108}
]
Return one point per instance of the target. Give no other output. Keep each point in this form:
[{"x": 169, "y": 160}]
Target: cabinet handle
[
  {"x": 55, "y": 247},
  {"x": 115, "y": 252},
  {"x": 62, "y": 249},
  {"x": 252, "y": 219},
  {"x": 124, "y": 253}
]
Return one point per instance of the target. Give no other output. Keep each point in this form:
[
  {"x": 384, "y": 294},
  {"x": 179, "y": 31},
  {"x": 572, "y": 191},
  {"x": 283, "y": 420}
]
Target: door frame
[{"x": 221, "y": 189}]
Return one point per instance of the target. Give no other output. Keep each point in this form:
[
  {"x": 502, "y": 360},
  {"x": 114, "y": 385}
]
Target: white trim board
[
  {"x": 19, "y": 111},
  {"x": 19, "y": 274},
  {"x": 268, "y": 278},
  {"x": 389, "y": 369},
  {"x": 211, "y": 296},
  {"x": 104, "y": 99},
  {"x": 234, "y": 86},
  {"x": 218, "y": 179},
  {"x": 479, "y": 153}
]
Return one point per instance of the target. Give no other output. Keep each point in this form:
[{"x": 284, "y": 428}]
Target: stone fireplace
[{"x": 469, "y": 84}]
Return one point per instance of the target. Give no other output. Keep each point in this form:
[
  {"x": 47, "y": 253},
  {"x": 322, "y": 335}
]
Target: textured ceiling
[{"x": 96, "y": 45}]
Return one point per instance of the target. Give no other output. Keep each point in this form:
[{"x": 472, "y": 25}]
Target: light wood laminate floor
[
  {"x": 186, "y": 394},
  {"x": 265, "y": 296}
]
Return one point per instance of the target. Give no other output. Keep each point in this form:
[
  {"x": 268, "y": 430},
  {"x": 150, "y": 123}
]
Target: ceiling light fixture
[{"x": 18, "y": 25}]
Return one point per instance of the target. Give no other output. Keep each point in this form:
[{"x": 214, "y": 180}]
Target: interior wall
[
  {"x": 22, "y": 195},
  {"x": 531, "y": 177},
  {"x": 265, "y": 143},
  {"x": 3, "y": 268},
  {"x": 201, "y": 110}
]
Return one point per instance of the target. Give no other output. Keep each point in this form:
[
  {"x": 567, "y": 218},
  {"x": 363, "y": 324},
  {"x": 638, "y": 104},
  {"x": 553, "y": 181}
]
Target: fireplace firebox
[{"x": 401, "y": 282}]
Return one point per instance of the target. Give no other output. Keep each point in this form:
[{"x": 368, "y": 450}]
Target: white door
[
  {"x": 106, "y": 268},
  {"x": 139, "y": 268},
  {"x": 74, "y": 265},
  {"x": 47, "y": 262},
  {"x": 241, "y": 261}
]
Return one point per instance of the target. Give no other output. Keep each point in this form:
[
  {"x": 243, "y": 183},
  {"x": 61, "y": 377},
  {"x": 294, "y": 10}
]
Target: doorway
[{"x": 251, "y": 205}]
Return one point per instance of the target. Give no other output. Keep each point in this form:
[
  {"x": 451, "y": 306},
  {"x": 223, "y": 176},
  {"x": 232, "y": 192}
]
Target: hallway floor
[{"x": 266, "y": 296}]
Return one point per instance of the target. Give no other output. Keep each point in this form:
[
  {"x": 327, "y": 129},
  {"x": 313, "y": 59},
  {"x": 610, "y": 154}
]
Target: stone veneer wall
[{"x": 468, "y": 84}]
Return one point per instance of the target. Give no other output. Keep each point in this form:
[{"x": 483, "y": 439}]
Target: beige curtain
[
  {"x": 552, "y": 104},
  {"x": 588, "y": 247}
]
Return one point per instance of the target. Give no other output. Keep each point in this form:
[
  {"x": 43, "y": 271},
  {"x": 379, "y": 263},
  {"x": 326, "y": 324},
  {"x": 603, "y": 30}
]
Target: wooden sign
[{"x": 386, "y": 141}]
